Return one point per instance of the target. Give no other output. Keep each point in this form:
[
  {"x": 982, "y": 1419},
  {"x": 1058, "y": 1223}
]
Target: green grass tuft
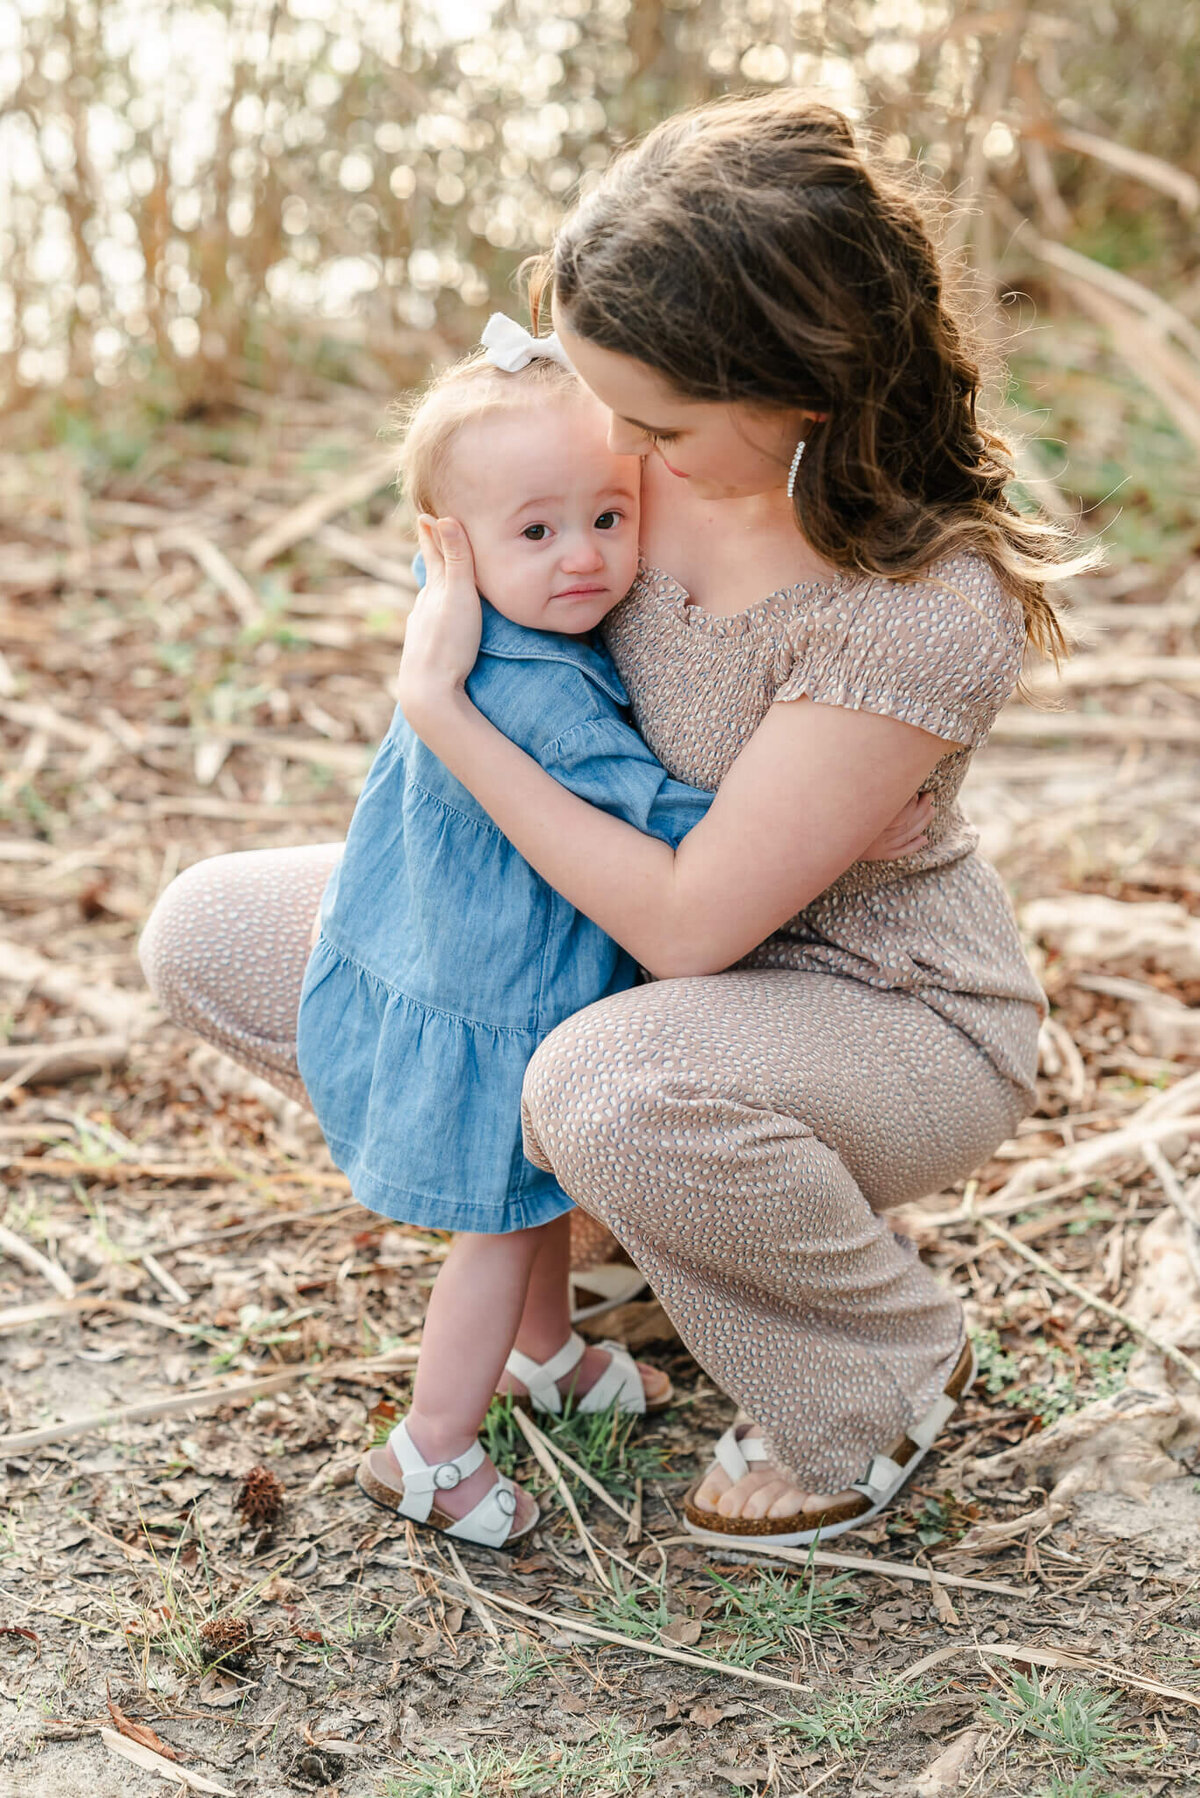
[
  {"x": 613, "y": 1761},
  {"x": 1068, "y": 1721}
]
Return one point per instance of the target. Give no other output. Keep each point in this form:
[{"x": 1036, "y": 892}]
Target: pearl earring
[{"x": 794, "y": 470}]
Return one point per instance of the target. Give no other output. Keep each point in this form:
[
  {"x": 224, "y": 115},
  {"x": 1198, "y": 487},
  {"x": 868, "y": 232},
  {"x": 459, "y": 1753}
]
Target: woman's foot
[
  {"x": 750, "y": 1490},
  {"x": 767, "y": 1491},
  {"x": 437, "y": 1445},
  {"x": 584, "y": 1375}
]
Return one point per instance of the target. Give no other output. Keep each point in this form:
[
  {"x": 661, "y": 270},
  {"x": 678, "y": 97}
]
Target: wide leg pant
[{"x": 738, "y": 1133}]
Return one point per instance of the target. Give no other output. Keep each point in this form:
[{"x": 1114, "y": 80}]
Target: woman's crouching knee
[
  {"x": 591, "y": 1110},
  {"x": 170, "y": 942}
]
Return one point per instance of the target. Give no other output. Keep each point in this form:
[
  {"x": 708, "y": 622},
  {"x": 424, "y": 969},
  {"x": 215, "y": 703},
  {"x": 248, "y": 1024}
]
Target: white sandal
[
  {"x": 490, "y": 1524},
  {"x": 877, "y": 1488},
  {"x": 619, "y": 1384}
]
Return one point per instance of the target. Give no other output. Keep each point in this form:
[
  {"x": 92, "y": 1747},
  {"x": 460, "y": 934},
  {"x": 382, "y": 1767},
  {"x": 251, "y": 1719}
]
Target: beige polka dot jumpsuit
[{"x": 741, "y": 1132}]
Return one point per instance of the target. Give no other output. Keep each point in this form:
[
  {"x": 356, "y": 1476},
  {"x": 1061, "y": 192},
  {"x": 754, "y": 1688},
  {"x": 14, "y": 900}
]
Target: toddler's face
[{"x": 551, "y": 512}]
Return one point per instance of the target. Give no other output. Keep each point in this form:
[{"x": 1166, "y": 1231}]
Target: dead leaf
[
  {"x": 942, "y": 1604},
  {"x": 171, "y": 1771},
  {"x": 685, "y": 1632},
  {"x": 140, "y": 1732},
  {"x": 219, "y": 1691},
  {"x": 948, "y": 1772},
  {"x": 636, "y": 1324},
  {"x": 705, "y": 1714}
]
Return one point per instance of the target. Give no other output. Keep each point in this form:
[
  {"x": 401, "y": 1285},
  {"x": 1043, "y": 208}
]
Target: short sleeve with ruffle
[{"x": 942, "y": 651}]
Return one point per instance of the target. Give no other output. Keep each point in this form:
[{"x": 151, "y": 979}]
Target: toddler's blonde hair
[{"x": 470, "y": 388}]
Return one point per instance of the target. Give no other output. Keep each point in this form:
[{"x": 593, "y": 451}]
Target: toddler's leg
[
  {"x": 546, "y": 1318},
  {"x": 470, "y": 1327}
]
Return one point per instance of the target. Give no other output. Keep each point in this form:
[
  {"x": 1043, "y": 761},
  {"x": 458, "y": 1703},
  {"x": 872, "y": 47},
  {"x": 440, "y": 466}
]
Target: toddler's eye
[
  {"x": 608, "y": 521},
  {"x": 535, "y": 532}
]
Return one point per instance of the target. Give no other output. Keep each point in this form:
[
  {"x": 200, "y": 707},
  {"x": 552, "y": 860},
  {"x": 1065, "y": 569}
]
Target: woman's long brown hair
[{"x": 751, "y": 251}]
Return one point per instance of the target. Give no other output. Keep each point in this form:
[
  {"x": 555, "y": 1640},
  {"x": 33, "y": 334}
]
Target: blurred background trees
[{"x": 200, "y": 197}]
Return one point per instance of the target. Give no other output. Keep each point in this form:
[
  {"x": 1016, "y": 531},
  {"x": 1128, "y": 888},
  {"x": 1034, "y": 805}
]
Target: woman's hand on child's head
[
  {"x": 441, "y": 636},
  {"x": 906, "y": 833}
]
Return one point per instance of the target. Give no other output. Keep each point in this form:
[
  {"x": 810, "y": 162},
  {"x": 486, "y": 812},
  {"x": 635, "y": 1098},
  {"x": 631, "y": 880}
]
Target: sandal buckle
[
  {"x": 446, "y": 1476},
  {"x": 506, "y": 1501}
]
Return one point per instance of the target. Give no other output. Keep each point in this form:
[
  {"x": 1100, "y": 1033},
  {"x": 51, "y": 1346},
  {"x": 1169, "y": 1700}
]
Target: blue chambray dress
[{"x": 443, "y": 959}]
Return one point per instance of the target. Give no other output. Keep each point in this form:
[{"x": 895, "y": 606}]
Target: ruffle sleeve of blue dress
[{"x": 444, "y": 959}]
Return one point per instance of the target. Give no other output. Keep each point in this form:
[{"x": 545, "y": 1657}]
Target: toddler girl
[{"x": 443, "y": 959}]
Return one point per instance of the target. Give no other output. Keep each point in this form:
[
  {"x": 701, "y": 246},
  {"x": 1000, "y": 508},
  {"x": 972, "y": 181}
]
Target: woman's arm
[{"x": 811, "y": 790}]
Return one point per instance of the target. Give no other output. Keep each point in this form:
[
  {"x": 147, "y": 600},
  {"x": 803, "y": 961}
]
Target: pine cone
[
  {"x": 229, "y": 1642},
  {"x": 261, "y": 1498}
]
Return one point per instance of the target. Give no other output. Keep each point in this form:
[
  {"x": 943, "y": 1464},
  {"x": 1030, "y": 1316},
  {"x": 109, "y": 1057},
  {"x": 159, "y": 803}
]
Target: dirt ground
[{"x": 197, "y": 647}]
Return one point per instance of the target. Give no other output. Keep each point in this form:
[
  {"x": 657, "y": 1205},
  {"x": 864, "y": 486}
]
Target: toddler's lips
[{"x": 581, "y": 592}]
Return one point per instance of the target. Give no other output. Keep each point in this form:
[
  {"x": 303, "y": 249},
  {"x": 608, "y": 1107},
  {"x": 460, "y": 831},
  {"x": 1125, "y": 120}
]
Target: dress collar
[{"x": 517, "y": 643}]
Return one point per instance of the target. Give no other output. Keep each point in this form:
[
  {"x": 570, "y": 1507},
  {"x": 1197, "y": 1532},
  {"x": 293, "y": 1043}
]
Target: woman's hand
[
  {"x": 906, "y": 833},
  {"x": 441, "y": 636}
]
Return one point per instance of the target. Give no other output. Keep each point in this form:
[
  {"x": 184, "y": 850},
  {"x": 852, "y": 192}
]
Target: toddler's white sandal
[
  {"x": 490, "y": 1523},
  {"x": 619, "y": 1384},
  {"x": 877, "y": 1488}
]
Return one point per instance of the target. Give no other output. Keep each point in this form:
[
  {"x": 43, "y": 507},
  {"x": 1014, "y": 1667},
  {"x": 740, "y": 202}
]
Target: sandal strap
[
  {"x": 540, "y": 1378},
  {"x": 734, "y": 1453},
  {"x": 927, "y": 1429},
  {"x": 424, "y": 1479},
  {"x": 490, "y": 1523},
  {"x": 883, "y": 1477},
  {"x": 619, "y": 1384}
]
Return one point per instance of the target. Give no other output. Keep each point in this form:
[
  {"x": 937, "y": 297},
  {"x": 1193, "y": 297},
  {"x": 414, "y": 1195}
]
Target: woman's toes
[
  {"x": 787, "y": 1503},
  {"x": 762, "y": 1503},
  {"x": 714, "y": 1486},
  {"x": 735, "y": 1501},
  {"x": 525, "y": 1513}
]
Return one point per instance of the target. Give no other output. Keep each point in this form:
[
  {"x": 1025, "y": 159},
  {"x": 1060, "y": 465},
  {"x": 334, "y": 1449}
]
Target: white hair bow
[{"x": 511, "y": 347}]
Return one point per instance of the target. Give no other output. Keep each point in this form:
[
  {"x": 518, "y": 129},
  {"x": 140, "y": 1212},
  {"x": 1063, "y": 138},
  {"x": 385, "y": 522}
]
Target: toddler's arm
[{"x": 607, "y": 763}]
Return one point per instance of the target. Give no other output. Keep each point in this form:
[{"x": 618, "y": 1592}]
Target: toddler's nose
[{"x": 582, "y": 555}]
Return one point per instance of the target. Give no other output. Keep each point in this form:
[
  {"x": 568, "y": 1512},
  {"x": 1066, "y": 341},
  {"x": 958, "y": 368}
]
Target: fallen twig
[
  {"x": 564, "y": 1620},
  {"x": 542, "y": 1451},
  {"x": 849, "y": 1563},
  {"x": 36, "y": 1262},
  {"x": 203, "y": 1399},
  {"x": 19, "y": 1317},
  {"x": 107, "y": 1005},
  {"x": 582, "y": 1474},
  {"x": 62, "y": 1061},
  {"x": 481, "y": 1611},
  {"x": 1045, "y": 1656},
  {"x": 219, "y": 569},
  {"x": 156, "y": 1763},
  {"x": 302, "y": 520}
]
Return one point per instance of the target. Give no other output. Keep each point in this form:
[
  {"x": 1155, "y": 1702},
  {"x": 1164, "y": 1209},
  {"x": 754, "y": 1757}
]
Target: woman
[
  {"x": 833, "y": 608},
  {"x": 834, "y": 604}
]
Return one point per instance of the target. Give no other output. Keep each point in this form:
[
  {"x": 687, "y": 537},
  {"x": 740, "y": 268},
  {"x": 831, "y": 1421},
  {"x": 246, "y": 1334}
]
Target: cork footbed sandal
[
  {"x": 878, "y": 1487},
  {"x": 619, "y": 1384},
  {"x": 490, "y": 1523}
]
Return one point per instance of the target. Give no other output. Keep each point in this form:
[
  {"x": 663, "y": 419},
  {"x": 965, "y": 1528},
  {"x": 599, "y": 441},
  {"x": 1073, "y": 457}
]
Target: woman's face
[{"x": 726, "y": 450}]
